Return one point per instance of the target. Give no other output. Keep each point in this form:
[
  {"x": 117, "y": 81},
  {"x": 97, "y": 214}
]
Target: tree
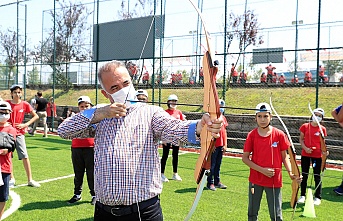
[
  {"x": 71, "y": 25},
  {"x": 333, "y": 66},
  {"x": 8, "y": 42},
  {"x": 141, "y": 8},
  {"x": 245, "y": 29},
  {"x": 33, "y": 76},
  {"x": 291, "y": 67}
]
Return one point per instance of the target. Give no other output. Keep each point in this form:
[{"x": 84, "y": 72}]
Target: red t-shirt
[
  {"x": 176, "y": 114},
  {"x": 266, "y": 152},
  {"x": 270, "y": 70},
  {"x": 82, "y": 142},
  {"x": 221, "y": 141},
  {"x": 312, "y": 139},
  {"x": 146, "y": 76},
  {"x": 282, "y": 79},
  {"x": 6, "y": 160},
  {"x": 18, "y": 114},
  {"x": 321, "y": 71}
]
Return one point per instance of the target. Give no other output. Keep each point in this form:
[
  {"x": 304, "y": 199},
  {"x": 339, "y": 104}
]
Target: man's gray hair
[{"x": 109, "y": 66}]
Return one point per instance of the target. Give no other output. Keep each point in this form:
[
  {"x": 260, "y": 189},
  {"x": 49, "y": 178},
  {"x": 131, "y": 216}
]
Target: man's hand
[
  {"x": 116, "y": 110},
  {"x": 213, "y": 126}
]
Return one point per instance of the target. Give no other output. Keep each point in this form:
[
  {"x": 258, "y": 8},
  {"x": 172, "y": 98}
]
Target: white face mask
[
  {"x": 318, "y": 118},
  {"x": 4, "y": 118},
  {"x": 124, "y": 95}
]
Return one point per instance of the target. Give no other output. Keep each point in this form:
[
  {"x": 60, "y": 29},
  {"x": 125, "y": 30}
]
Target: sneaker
[
  {"x": 220, "y": 186},
  {"x": 301, "y": 199},
  {"x": 31, "y": 133},
  {"x": 75, "y": 198},
  {"x": 316, "y": 201},
  {"x": 164, "y": 178},
  {"x": 339, "y": 191},
  {"x": 176, "y": 177},
  {"x": 11, "y": 183},
  {"x": 33, "y": 183},
  {"x": 93, "y": 200},
  {"x": 211, "y": 187},
  {"x": 45, "y": 136}
]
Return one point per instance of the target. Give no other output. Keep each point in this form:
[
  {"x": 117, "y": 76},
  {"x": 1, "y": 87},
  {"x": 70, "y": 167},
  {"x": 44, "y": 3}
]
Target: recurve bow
[
  {"x": 292, "y": 156},
  {"x": 210, "y": 106}
]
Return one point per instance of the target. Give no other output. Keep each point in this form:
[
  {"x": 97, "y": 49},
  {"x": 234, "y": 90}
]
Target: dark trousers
[
  {"x": 165, "y": 154},
  {"x": 152, "y": 213},
  {"x": 83, "y": 160},
  {"x": 305, "y": 168},
  {"x": 216, "y": 161},
  {"x": 234, "y": 79}
]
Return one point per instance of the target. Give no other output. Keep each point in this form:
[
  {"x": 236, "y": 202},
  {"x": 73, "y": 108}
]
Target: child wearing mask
[{"x": 311, "y": 154}]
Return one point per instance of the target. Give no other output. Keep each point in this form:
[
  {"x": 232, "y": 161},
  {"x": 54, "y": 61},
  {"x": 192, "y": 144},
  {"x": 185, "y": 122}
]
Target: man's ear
[{"x": 105, "y": 94}]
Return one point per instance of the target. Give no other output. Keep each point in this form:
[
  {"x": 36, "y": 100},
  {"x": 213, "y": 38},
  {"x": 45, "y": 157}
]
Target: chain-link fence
[{"x": 287, "y": 50}]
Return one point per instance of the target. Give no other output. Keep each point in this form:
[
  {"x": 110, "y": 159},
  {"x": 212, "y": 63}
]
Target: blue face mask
[{"x": 222, "y": 110}]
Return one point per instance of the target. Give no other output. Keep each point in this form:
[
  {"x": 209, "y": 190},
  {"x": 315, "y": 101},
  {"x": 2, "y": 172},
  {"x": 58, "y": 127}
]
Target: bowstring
[{"x": 126, "y": 99}]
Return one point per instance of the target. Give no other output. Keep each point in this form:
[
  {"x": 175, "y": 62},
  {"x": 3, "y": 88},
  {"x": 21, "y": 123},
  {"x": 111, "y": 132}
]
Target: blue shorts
[{"x": 4, "y": 189}]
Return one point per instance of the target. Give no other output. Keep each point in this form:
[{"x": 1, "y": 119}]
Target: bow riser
[
  {"x": 295, "y": 170},
  {"x": 323, "y": 149},
  {"x": 204, "y": 160},
  {"x": 211, "y": 106}
]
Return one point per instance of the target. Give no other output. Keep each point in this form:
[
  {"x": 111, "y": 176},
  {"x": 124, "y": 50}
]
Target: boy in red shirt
[
  {"x": 172, "y": 104},
  {"x": 267, "y": 146},
  {"x": 311, "y": 152},
  {"x": 8, "y": 134},
  {"x": 82, "y": 156},
  {"x": 213, "y": 180},
  {"x": 19, "y": 109}
]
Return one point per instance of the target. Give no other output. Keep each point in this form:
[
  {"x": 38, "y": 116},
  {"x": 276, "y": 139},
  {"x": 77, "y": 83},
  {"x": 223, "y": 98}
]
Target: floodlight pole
[
  {"x": 54, "y": 65},
  {"x": 296, "y": 41},
  {"x": 318, "y": 44},
  {"x": 17, "y": 56}
]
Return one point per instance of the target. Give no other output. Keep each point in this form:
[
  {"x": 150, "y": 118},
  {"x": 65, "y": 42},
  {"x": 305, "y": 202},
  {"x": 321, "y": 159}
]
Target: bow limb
[
  {"x": 292, "y": 156},
  {"x": 210, "y": 106},
  {"x": 322, "y": 139}
]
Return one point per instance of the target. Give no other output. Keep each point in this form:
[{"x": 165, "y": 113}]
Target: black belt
[{"x": 122, "y": 210}]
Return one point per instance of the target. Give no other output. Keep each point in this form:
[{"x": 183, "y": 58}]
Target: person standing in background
[
  {"x": 172, "y": 104},
  {"x": 7, "y": 145},
  {"x": 312, "y": 154},
  {"x": 82, "y": 155},
  {"x": 213, "y": 180},
  {"x": 51, "y": 112},
  {"x": 19, "y": 109},
  {"x": 41, "y": 104}
]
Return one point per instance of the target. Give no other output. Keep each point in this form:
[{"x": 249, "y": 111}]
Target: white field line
[
  {"x": 14, "y": 206},
  {"x": 16, "y": 198}
]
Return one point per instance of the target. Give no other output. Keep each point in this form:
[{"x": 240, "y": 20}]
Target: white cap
[
  {"x": 263, "y": 107},
  {"x": 319, "y": 111},
  {"x": 16, "y": 85},
  {"x": 142, "y": 92},
  {"x": 84, "y": 99},
  {"x": 172, "y": 97},
  {"x": 5, "y": 106}
]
